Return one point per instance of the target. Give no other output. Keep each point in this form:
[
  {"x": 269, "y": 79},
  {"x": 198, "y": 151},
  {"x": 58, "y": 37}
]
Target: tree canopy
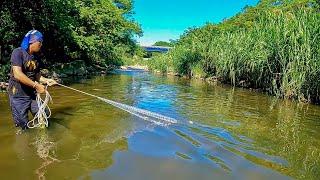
[
  {"x": 164, "y": 43},
  {"x": 97, "y": 31}
]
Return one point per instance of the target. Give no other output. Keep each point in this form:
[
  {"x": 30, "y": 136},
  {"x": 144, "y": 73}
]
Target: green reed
[{"x": 278, "y": 52}]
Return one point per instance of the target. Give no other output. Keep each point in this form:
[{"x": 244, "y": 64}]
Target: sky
[{"x": 168, "y": 19}]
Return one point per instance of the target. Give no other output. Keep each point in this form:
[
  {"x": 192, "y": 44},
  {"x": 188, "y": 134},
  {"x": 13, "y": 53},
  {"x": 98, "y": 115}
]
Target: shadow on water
[{"x": 222, "y": 133}]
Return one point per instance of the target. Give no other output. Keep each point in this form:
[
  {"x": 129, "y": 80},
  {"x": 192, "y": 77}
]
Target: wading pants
[{"x": 20, "y": 106}]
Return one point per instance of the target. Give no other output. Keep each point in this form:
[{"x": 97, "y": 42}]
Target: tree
[
  {"x": 163, "y": 43},
  {"x": 98, "y": 31}
]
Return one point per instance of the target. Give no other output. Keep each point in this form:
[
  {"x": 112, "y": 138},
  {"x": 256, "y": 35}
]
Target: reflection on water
[
  {"x": 45, "y": 150},
  {"x": 234, "y": 134}
]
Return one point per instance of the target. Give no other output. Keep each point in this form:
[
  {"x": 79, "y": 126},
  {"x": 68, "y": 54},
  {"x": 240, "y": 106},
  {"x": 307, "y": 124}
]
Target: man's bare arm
[{"x": 21, "y": 77}]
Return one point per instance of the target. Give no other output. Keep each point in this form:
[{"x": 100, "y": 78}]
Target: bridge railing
[{"x": 156, "y": 48}]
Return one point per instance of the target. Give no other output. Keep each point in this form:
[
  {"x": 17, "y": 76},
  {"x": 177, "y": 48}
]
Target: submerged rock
[
  {"x": 3, "y": 86},
  {"x": 45, "y": 72}
]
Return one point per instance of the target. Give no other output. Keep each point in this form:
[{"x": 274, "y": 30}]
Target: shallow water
[{"x": 235, "y": 134}]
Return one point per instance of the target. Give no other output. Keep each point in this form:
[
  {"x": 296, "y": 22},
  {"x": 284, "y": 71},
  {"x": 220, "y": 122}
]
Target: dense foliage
[
  {"x": 97, "y": 31},
  {"x": 164, "y": 43},
  {"x": 274, "y": 46}
]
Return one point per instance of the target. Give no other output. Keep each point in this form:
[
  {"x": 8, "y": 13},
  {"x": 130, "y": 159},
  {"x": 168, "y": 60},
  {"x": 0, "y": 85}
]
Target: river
[{"x": 223, "y": 133}]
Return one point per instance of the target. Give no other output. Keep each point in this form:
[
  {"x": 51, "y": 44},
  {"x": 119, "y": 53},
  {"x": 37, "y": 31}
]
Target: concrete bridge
[{"x": 160, "y": 49}]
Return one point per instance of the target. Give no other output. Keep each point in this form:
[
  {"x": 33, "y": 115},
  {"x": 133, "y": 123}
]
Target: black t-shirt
[{"x": 30, "y": 67}]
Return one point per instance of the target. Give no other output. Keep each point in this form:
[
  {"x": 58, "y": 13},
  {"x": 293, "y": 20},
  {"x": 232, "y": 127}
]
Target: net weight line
[{"x": 141, "y": 113}]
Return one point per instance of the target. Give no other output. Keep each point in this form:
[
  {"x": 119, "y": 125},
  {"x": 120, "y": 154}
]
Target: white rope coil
[{"x": 40, "y": 120}]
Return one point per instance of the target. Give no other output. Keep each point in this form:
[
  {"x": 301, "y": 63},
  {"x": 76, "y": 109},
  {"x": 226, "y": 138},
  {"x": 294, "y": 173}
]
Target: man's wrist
[{"x": 35, "y": 85}]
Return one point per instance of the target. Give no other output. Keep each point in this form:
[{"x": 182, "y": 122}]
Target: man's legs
[
  {"x": 34, "y": 107},
  {"x": 20, "y": 106}
]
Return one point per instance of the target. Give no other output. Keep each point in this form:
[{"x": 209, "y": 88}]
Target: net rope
[
  {"x": 41, "y": 117},
  {"x": 141, "y": 113}
]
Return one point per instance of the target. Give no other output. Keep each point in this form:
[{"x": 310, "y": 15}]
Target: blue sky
[{"x": 168, "y": 19}]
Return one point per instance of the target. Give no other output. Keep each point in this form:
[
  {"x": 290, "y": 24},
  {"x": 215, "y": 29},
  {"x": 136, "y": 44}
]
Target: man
[{"x": 25, "y": 78}]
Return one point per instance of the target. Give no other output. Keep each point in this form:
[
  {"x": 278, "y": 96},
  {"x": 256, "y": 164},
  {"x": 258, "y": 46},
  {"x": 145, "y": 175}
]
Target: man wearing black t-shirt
[{"x": 25, "y": 78}]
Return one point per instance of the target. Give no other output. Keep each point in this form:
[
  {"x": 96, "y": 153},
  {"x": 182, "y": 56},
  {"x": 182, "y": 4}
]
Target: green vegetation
[
  {"x": 97, "y": 31},
  {"x": 164, "y": 43},
  {"x": 273, "y": 46}
]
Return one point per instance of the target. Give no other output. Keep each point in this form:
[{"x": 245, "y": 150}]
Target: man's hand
[{"x": 40, "y": 88}]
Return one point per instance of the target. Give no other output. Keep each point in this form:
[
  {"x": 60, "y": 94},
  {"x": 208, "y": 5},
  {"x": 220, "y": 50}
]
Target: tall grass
[{"x": 278, "y": 51}]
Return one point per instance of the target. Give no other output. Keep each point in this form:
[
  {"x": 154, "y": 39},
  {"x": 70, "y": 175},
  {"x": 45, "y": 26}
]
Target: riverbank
[
  {"x": 134, "y": 68},
  {"x": 213, "y": 80},
  {"x": 216, "y": 80}
]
